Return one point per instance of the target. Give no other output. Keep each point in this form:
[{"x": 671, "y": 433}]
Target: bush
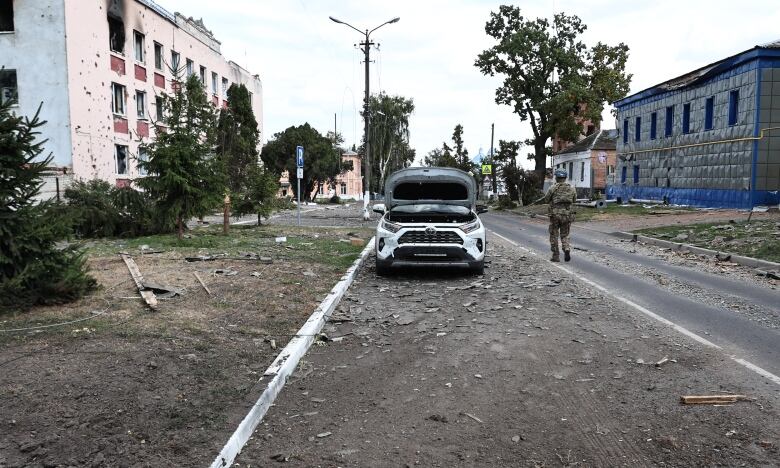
[
  {"x": 335, "y": 200},
  {"x": 506, "y": 203},
  {"x": 98, "y": 209}
]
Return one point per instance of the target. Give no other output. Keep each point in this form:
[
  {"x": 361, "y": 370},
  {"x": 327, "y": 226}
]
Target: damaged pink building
[{"x": 99, "y": 67}]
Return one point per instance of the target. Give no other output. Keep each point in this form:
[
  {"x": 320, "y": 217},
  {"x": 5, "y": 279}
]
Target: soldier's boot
[
  {"x": 556, "y": 257},
  {"x": 567, "y": 255}
]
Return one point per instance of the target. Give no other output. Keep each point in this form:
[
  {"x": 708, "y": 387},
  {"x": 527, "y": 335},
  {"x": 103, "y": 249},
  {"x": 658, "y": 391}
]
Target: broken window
[
  {"x": 121, "y": 159},
  {"x": 158, "y": 104},
  {"x": 158, "y": 56},
  {"x": 214, "y": 79},
  {"x": 118, "y": 98},
  {"x": 139, "y": 46},
  {"x": 140, "y": 104},
  {"x": 224, "y": 88},
  {"x": 190, "y": 67},
  {"x": 175, "y": 57},
  {"x": 116, "y": 34},
  {"x": 143, "y": 156},
  {"x": 6, "y": 16},
  {"x": 8, "y": 88},
  {"x": 203, "y": 75}
]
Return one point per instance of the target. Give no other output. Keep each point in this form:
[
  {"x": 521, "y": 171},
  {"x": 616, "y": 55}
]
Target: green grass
[
  {"x": 758, "y": 239},
  {"x": 318, "y": 245}
]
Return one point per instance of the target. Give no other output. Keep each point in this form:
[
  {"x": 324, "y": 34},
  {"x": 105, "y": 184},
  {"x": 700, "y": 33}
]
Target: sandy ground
[{"x": 521, "y": 367}]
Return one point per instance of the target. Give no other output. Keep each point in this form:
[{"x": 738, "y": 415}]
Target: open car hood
[{"x": 430, "y": 185}]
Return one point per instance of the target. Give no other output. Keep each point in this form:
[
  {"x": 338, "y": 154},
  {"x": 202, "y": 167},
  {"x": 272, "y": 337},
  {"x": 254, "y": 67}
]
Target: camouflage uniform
[{"x": 560, "y": 198}]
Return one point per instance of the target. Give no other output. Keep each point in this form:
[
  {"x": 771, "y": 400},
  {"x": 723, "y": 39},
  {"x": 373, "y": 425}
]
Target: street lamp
[{"x": 366, "y": 48}]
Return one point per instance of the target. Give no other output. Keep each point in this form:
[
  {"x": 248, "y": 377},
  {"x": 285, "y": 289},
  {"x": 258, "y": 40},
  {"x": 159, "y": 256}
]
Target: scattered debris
[
  {"x": 280, "y": 457},
  {"x": 324, "y": 434},
  {"x": 148, "y": 295},
  {"x": 768, "y": 274},
  {"x": 162, "y": 291},
  {"x": 357, "y": 242},
  {"x": 201, "y": 258},
  {"x": 225, "y": 272},
  {"x": 517, "y": 438},
  {"x": 281, "y": 240},
  {"x": 438, "y": 418},
  {"x": 200, "y": 280},
  {"x": 662, "y": 362},
  {"x": 712, "y": 399},
  {"x": 473, "y": 417}
]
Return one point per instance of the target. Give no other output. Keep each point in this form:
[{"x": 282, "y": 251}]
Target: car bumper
[{"x": 469, "y": 254}]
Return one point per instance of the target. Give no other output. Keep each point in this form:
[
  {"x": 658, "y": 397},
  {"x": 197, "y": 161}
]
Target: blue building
[{"x": 709, "y": 138}]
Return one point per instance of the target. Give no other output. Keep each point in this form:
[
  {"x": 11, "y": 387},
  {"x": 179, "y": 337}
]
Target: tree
[
  {"x": 389, "y": 130},
  {"x": 452, "y": 156},
  {"x": 259, "y": 193},
  {"x": 504, "y": 162},
  {"x": 185, "y": 178},
  {"x": 551, "y": 78},
  {"x": 237, "y": 148},
  {"x": 322, "y": 161},
  {"x": 33, "y": 268}
]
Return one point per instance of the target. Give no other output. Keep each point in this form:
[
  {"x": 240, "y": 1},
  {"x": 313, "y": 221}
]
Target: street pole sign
[
  {"x": 299, "y": 163},
  {"x": 487, "y": 169}
]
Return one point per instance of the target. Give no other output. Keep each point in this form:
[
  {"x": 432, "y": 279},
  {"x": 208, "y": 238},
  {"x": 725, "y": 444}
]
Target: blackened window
[
  {"x": 8, "y": 87},
  {"x": 158, "y": 56},
  {"x": 653, "y": 125},
  {"x": 638, "y": 129},
  {"x": 582, "y": 171},
  {"x": 709, "y": 111},
  {"x": 686, "y": 118},
  {"x": 6, "y": 15},
  {"x": 623, "y": 174},
  {"x": 116, "y": 34},
  {"x": 203, "y": 75},
  {"x": 121, "y": 159},
  {"x": 625, "y": 130},
  {"x": 669, "y": 124},
  {"x": 224, "y": 88},
  {"x": 733, "y": 106},
  {"x": 343, "y": 188},
  {"x": 636, "y": 174}
]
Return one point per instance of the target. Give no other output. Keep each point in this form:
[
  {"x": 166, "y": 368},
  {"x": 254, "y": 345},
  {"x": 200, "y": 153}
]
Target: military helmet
[{"x": 560, "y": 174}]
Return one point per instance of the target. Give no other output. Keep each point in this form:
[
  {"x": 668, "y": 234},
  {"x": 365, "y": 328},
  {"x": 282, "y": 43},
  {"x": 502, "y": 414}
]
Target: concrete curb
[
  {"x": 285, "y": 363},
  {"x": 744, "y": 261}
]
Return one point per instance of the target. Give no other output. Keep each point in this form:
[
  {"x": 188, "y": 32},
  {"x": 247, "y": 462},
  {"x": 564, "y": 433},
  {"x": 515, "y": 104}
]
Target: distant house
[
  {"x": 589, "y": 162},
  {"x": 348, "y": 184},
  {"x": 708, "y": 138}
]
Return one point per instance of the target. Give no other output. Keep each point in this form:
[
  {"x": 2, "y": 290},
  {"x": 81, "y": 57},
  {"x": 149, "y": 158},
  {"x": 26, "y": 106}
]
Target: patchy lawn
[
  {"x": 123, "y": 386},
  {"x": 759, "y": 239}
]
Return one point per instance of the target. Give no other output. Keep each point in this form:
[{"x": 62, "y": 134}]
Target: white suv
[{"x": 430, "y": 218}]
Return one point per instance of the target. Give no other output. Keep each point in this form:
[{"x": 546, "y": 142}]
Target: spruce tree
[
  {"x": 185, "y": 177},
  {"x": 33, "y": 269}
]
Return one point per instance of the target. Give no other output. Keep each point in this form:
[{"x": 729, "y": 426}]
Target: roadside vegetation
[{"x": 757, "y": 239}]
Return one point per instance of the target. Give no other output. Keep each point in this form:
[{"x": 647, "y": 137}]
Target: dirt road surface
[{"x": 522, "y": 367}]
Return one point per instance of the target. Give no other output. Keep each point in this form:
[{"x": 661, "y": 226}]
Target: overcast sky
[{"x": 310, "y": 69}]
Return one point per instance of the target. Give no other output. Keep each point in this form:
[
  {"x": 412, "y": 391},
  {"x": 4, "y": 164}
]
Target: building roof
[
  {"x": 601, "y": 140},
  {"x": 707, "y": 71}
]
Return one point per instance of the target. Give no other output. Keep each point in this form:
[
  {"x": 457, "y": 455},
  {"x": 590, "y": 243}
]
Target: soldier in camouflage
[{"x": 560, "y": 198}]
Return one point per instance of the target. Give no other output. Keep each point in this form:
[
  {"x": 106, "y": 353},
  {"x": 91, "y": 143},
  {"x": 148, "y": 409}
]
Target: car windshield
[
  {"x": 426, "y": 208},
  {"x": 430, "y": 191}
]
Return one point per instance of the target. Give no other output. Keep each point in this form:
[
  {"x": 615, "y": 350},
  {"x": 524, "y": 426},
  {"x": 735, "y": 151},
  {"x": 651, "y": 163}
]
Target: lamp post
[{"x": 366, "y": 48}]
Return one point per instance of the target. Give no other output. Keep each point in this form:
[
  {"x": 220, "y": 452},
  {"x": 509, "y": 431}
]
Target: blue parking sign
[{"x": 299, "y": 156}]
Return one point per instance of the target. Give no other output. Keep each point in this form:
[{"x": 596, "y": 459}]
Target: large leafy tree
[
  {"x": 551, "y": 78},
  {"x": 389, "y": 127},
  {"x": 322, "y": 159},
  {"x": 185, "y": 178},
  {"x": 33, "y": 268},
  {"x": 249, "y": 188}
]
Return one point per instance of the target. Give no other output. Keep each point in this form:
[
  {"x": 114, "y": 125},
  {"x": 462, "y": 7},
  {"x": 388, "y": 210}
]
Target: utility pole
[
  {"x": 366, "y": 49},
  {"x": 493, "y": 160}
]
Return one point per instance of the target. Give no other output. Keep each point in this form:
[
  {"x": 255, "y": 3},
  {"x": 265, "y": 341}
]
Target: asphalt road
[{"x": 737, "y": 334}]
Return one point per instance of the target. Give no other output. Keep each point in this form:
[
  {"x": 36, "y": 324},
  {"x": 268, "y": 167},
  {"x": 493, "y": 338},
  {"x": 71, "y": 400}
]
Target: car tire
[
  {"x": 479, "y": 268},
  {"x": 381, "y": 269}
]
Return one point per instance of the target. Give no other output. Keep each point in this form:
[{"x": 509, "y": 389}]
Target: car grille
[{"x": 438, "y": 237}]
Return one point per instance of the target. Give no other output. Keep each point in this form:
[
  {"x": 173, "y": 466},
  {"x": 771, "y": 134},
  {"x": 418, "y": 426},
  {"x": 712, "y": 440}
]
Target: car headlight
[
  {"x": 469, "y": 227},
  {"x": 388, "y": 226}
]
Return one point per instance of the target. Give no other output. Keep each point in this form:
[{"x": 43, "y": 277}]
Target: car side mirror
[
  {"x": 482, "y": 209},
  {"x": 379, "y": 208}
]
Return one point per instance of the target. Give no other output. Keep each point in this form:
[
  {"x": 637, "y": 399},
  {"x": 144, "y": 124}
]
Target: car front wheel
[{"x": 381, "y": 268}]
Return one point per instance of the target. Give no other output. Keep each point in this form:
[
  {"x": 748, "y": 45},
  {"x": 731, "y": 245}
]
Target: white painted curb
[{"x": 285, "y": 363}]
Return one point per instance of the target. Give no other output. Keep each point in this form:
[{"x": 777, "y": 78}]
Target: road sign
[
  {"x": 299, "y": 157},
  {"x": 300, "y": 173},
  {"x": 487, "y": 169}
]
